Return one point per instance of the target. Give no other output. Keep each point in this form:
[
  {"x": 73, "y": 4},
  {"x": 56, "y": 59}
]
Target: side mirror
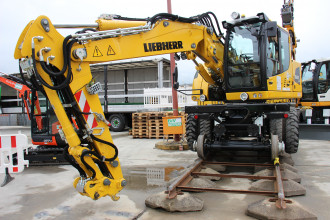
[
  {"x": 271, "y": 28},
  {"x": 175, "y": 78}
]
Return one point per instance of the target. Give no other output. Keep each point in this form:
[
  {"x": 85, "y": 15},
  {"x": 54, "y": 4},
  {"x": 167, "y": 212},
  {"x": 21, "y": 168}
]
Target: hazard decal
[
  {"x": 97, "y": 52},
  {"x": 110, "y": 51},
  {"x": 85, "y": 107}
]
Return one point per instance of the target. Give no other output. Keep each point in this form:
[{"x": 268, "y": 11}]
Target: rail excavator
[{"x": 59, "y": 66}]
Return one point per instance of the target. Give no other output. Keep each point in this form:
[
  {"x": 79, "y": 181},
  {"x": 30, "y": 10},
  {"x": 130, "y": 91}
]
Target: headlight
[
  {"x": 244, "y": 96},
  {"x": 202, "y": 98},
  {"x": 235, "y": 15}
]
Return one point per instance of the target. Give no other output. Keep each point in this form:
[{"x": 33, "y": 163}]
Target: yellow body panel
[
  {"x": 312, "y": 104},
  {"x": 149, "y": 43},
  {"x": 264, "y": 95}
]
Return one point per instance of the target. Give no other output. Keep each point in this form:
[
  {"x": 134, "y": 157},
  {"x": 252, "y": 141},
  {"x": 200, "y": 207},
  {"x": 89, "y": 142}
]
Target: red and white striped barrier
[{"x": 9, "y": 145}]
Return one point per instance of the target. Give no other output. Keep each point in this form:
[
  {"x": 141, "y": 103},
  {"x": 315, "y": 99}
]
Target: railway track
[{"x": 180, "y": 185}]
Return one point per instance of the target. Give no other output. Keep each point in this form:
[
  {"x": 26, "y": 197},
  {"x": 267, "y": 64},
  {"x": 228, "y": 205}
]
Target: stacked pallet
[
  {"x": 140, "y": 127},
  {"x": 150, "y": 124},
  {"x": 155, "y": 120}
]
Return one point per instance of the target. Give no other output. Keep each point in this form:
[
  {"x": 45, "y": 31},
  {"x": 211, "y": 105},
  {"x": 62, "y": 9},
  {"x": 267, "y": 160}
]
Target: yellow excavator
[
  {"x": 256, "y": 98},
  {"x": 250, "y": 70}
]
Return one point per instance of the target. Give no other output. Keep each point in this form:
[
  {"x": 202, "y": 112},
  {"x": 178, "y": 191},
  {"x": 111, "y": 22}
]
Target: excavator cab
[
  {"x": 256, "y": 52},
  {"x": 48, "y": 134},
  {"x": 316, "y": 91}
]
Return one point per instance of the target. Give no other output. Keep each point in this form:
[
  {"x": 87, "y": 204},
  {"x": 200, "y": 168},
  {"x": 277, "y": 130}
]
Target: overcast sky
[{"x": 312, "y": 20}]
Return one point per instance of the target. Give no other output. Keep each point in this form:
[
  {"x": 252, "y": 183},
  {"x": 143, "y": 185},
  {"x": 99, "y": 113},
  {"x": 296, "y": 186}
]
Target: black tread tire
[
  {"x": 118, "y": 118},
  {"x": 205, "y": 128},
  {"x": 276, "y": 128},
  {"x": 291, "y": 134},
  {"x": 191, "y": 131}
]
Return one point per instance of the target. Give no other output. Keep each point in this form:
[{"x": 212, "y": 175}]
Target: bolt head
[
  {"x": 123, "y": 183},
  {"x": 106, "y": 182},
  {"x": 193, "y": 45},
  {"x": 96, "y": 195},
  {"x": 114, "y": 163}
]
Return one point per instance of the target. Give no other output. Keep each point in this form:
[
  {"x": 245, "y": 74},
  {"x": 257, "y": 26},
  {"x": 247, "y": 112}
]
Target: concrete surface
[{"x": 47, "y": 192}]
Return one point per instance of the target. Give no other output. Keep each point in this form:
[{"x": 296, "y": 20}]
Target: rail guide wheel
[
  {"x": 201, "y": 152},
  {"x": 277, "y": 148}
]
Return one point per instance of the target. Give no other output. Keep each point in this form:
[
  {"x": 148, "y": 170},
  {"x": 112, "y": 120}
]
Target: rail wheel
[
  {"x": 274, "y": 146},
  {"x": 200, "y": 147}
]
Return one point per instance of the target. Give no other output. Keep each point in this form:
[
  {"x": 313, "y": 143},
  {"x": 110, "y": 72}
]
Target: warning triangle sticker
[
  {"x": 97, "y": 52},
  {"x": 110, "y": 51}
]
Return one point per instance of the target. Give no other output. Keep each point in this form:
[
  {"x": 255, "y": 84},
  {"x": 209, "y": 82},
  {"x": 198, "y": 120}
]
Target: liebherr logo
[{"x": 159, "y": 46}]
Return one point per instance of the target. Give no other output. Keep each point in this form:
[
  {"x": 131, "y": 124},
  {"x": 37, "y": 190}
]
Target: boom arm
[
  {"x": 61, "y": 65},
  {"x": 287, "y": 23}
]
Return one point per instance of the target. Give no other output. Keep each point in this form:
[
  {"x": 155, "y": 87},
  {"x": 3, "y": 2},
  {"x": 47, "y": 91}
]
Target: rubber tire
[
  {"x": 205, "y": 128},
  {"x": 191, "y": 131},
  {"x": 117, "y": 122},
  {"x": 276, "y": 128},
  {"x": 291, "y": 133}
]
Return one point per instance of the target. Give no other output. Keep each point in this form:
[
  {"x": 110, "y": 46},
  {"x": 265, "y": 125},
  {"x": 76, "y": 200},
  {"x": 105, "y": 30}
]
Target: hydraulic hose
[
  {"x": 67, "y": 80},
  {"x": 73, "y": 163},
  {"x": 65, "y": 59},
  {"x": 107, "y": 143},
  {"x": 172, "y": 17},
  {"x": 86, "y": 164}
]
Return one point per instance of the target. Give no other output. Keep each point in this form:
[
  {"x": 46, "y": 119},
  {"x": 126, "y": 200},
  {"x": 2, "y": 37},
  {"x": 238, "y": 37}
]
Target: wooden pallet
[{"x": 150, "y": 124}]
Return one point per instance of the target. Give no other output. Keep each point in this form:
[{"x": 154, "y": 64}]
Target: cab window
[
  {"x": 273, "y": 66},
  {"x": 285, "y": 51},
  {"x": 323, "y": 79}
]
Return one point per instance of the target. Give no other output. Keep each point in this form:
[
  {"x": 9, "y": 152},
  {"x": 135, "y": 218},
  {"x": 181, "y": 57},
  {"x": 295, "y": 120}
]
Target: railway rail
[{"x": 180, "y": 185}]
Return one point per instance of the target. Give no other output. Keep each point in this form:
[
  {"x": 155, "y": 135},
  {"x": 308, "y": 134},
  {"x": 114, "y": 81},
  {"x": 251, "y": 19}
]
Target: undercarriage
[{"x": 257, "y": 127}]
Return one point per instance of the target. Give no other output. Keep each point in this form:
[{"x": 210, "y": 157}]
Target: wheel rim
[{"x": 115, "y": 123}]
